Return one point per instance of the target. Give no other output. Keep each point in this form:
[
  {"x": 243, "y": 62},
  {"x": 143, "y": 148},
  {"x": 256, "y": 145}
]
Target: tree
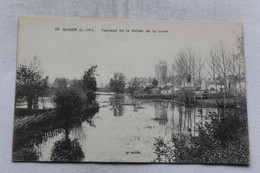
[
  {"x": 117, "y": 84},
  {"x": 238, "y": 72},
  {"x": 191, "y": 66},
  {"x": 30, "y": 84},
  {"x": 105, "y": 88},
  {"x": 134, "y": 86},
  {"x": 76, "y": 83},
  {"x": 72, "y": 104},
  {"x": 70, "y": 100},
  {"x": 212, "y": 66},
  {"x": 188, "y": 66},
  {"x": 238, "y": 64},
  {"x": 223, "y": 62},
  {"x": 89, "y": 79},
  {"x": 89, "y": 84},
  {"x": 60, "y": 83},
  {"x": 199, "y": 68},
  {"x": 180, "y": 66},
  {"x": 220, "y": 66},
  {"x": 155, "y": 83}
]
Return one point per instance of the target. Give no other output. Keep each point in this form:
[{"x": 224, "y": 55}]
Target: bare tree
[
  {"x": 185, "y": 66},
  {"x": 191, "y": 66},
  {"x": 180, "y": 66},
  {"x": 240, "y": 61},
  {"x": 199, "y": 67},
  {"x": 212, "y": 66},
  {"x": 238, "y": 69},
  {"x": 222, "y": 63}
]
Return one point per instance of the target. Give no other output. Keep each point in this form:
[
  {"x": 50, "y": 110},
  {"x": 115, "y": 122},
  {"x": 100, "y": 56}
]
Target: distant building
[
  {"x": 214, "y": 86},
  {"x": 236, "y": 84},
  {"x": 161, "y": 72}
]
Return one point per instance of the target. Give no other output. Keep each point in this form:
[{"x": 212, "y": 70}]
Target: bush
[
  {"x": 91, "y": 96},
  {"x": 70, "y": 100},
  {"x": 66, "y": 150},
  {"x": 223, "y": 140},
  {"x": 75, "y": 103}
]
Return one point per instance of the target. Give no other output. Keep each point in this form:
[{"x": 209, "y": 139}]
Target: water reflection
[
  {"x": 29, "y": 139},
  {"x": 136, "y": 105},
  {"x": 161, "y": 110},
  {"x": 66, "y": 149},
  {"x": 117, "y": 104},
  {"x": 187, "y": 119},
  {"x": 125, "y": 130}
]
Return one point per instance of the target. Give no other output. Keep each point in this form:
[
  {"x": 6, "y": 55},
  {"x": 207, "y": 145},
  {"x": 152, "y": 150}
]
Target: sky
[{"x": 68, "y": 54}]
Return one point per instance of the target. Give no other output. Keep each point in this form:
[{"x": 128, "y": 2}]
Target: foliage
[
  {"x": 134, "y": 87},
  {"x": 155, "y": 83},
  {"x": 89, "y": 79},
  {"x": 84, "y": 89},
  {"x": 70, "y": 100},
  {"x": 148, "y": 89},
  {"x": 67, "y": 150},
  {"x": 30, "y": 84},
  {"x": 164, "y": 150},
  {"x": 117, "y": 84},
  {"x": 89, "y": 84},
  {"x": 76, "y": 83},
  {"x": 223, "y": 140},
  {"x": 106, "y": 88},
  {"x": 78, "y": 98},
  {"x": 27, "y": 153},
  {"x": 91, "y": 96},
  {"x": 60, "y": 83}
]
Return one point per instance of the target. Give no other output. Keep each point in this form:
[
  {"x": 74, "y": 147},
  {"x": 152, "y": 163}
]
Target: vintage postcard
[{"x": 134, "y": 91}]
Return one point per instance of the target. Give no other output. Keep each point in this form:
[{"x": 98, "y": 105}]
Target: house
[
  {"x": 169, "y": 91},
  {"x": 214, "y": 86},
  {"x": 236, "y": 84}
]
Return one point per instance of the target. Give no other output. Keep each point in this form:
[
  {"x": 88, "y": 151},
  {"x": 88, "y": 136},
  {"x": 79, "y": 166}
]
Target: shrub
[
  {"x": 70, "y": 100},
  {"x": 223, "y": 140},
  {"x": 66, "y": 150}
]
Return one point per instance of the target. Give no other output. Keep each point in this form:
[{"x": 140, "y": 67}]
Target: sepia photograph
[{"x": 130, "y": 91}]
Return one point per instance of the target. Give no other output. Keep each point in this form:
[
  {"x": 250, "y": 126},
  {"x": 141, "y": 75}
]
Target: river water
[{"x": 126, "y": 128}]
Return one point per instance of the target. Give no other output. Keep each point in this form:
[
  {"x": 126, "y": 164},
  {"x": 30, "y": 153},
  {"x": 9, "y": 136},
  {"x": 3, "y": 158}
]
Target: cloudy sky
[{"x": 69, "y": 53}]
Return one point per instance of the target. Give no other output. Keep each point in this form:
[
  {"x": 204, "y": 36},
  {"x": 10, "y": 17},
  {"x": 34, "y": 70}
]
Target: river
[{"x": 125, "y": 129}]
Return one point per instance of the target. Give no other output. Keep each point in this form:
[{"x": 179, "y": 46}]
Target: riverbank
[
  {"x": 216, "y": 103},
  {"x": 34, "y": 126},
  {"x": 24, "y": 118},
  {"x": 24, "y": 112},
  {"x": 154, "y": 96},
  {"x": 229, "y": 103}
]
